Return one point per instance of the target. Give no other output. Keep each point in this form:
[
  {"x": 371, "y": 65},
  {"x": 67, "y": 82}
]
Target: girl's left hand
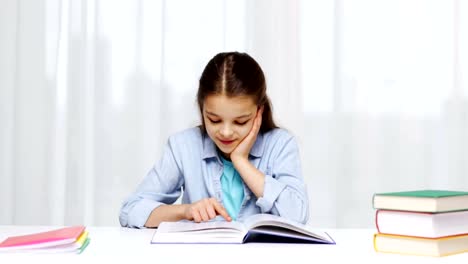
[{"x": 243, "y": 149}]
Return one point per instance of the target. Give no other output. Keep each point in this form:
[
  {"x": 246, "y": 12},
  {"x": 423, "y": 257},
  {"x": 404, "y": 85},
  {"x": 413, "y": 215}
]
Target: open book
[{"x": 256, "y": 228}]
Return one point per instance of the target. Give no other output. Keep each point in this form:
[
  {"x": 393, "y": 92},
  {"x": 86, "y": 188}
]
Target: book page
[
  {"x": 266, "y": 219},
  {"x": 189, "y": 226},
  {"x": 205, "y": 232},
  {"x": 274, "y": 223}
]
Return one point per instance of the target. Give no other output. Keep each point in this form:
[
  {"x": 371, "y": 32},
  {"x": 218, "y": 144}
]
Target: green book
[{"x": 431, "y": 201}]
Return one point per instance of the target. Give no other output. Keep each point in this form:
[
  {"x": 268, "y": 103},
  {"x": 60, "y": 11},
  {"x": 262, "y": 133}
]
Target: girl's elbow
[
  {"x": 305, "y": 214},
  {"x": 301, "y": 214},
  {"x": 297, "y": 208}
]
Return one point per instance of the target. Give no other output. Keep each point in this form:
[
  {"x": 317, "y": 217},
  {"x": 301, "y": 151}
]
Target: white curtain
[{"x": 90, "y": 90}]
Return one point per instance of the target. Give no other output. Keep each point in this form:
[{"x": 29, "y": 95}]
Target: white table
[{"x": 133, "y": 246}]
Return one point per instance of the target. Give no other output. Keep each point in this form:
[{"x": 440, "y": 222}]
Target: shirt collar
[{"x": 209, "y": 147}]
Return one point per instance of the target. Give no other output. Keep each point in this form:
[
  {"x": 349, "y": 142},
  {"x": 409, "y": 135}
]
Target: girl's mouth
[{"x": 226, "y": 142}]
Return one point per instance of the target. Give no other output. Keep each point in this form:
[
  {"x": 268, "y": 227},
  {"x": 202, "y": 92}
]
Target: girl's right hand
[{"x": 205, "y": 210}]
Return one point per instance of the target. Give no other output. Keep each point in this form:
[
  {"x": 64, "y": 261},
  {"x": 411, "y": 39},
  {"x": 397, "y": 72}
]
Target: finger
[
  {"x": 255, "y": 128},
  {"x": 221, "y": 211},
  {"x": 211, "y": 212},
  {"x": 262, "y": 108},
  {"x": 260, "y": 114},
  {"x": 257, "y": 125},
  {"x": 204, "y": 214},
  {"x": 196, "y": 216}
]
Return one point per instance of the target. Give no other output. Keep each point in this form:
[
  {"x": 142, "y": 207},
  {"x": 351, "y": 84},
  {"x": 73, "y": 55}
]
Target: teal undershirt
[{"x": 233, "y": 189}]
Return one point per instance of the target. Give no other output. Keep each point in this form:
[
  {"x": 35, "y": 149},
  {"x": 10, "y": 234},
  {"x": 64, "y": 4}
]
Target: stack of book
[
  {"x": 423, "y": 222},
  {"x": 72, "y": 239}
]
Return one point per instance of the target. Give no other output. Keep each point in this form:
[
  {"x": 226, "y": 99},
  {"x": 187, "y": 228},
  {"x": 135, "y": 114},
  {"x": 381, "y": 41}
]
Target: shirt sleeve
[
  {"x": 162, "y": 185},
  {"x": 285, "y": 192}
]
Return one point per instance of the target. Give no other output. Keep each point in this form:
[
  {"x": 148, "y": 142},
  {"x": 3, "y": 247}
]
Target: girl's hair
[{"x": 235, "y": 74}]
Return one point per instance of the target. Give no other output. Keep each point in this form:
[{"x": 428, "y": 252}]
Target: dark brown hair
[{"x": 235, "y": 74}]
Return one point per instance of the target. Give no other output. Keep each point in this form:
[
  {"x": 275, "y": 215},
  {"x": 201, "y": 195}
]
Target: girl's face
[{"x": 228, "y": 120}]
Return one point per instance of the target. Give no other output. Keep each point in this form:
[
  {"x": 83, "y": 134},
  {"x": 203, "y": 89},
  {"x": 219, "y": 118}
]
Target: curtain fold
[{"x": 8, "y": 46}]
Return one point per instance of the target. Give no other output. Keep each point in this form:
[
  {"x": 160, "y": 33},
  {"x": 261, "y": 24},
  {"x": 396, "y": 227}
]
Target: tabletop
[{"x": 126, "y": 244}]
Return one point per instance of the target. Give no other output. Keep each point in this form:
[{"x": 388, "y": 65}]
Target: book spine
[
  {"x": 377, "y": 220},
  {"x": 375, "y": 243},
  {"x": 373, "y": 200}
]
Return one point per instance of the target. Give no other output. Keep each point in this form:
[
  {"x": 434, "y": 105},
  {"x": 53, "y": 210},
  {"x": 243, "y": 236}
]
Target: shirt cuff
[
  {"x": 141, "y": 211},
  {"x": 271, "y": 191}
]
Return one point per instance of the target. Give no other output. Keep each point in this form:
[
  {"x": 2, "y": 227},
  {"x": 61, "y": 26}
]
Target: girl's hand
[
  {"x": 243, "y": 149},
  {"x": 205, "y": 210}
]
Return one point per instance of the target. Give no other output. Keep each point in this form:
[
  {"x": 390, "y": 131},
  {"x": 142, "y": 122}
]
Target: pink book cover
[{"x": 69, "y": 234}]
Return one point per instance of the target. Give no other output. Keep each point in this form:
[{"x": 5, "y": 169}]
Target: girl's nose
[{"x": 226, "y": 131}]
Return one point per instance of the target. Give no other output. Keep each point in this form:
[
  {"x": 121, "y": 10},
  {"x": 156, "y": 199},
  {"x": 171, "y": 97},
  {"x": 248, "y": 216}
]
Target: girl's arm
[
  {"x": 166, "y": 213},
  {"x": 283, "y": 191},
  {"x": 162, "y": 185},
  {"x": 254, "y": 178},
  {"x": 153, "y": 200}
]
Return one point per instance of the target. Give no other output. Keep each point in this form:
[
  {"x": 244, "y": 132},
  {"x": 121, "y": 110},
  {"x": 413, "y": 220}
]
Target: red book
[
  {"x": 419, "y": 224},
  {"x": 51, "y": 238}
]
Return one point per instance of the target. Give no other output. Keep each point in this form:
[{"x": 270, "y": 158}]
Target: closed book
[
  {"x": 420, "y": 224},
  {"x": 67, "y": 239},
  {"x": 432, "y": 201},
  {"x": 435, "y": 247}
]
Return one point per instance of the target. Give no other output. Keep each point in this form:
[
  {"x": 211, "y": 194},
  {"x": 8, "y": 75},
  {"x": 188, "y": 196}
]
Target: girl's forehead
[
  {"x": 224, "y": 105},
  {"x": 243, "y": 100}
]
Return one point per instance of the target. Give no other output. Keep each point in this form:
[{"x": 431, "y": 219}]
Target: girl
[{"x": 235, "y": 164}]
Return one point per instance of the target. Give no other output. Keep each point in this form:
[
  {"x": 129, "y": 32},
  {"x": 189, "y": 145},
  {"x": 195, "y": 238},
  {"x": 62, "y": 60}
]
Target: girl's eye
[
  {"x": 242, "y": 123},
  {"x": 214, "y": 121}
]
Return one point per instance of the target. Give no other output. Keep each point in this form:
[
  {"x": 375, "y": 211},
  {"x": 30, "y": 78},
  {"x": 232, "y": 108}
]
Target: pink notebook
[{"x": 44, "y": 239}]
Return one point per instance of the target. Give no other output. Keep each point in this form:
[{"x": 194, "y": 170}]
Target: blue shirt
[
  {"x": 233, "y": 189},
  {"x": 190, "y": 166}
]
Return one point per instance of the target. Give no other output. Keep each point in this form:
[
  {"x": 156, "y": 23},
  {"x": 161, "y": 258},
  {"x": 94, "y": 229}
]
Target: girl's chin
[{"x": 226, "y": 150}]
